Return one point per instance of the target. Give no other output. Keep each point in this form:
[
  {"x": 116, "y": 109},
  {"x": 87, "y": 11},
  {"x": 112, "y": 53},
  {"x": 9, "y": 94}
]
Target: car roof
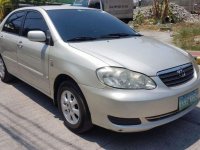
[{"x": 54, "y": 7}]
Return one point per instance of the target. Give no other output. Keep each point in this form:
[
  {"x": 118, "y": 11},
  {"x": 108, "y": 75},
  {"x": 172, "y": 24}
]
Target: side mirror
[{"x": 37, "y": 36}]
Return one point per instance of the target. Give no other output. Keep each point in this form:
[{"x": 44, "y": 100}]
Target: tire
[
  {"x": 5, "y": 76},
  {"x": 73, "y": 108}
]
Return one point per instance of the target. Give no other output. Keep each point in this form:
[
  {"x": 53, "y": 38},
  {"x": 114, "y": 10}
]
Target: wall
[{"x": 188, "y": 4}]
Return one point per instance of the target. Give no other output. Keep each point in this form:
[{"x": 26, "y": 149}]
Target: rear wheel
[
  {"x": 73, "y": 107},
  {"x": 4, "y": 75}
]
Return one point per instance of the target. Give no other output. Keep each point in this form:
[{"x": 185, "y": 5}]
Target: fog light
[{"x": 124, "y": 121}]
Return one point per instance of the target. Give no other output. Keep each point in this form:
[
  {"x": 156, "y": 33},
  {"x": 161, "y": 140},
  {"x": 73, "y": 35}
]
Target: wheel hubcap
[
  {"x": 70, "y": 107},
  {"x": 2, "y": 69}
]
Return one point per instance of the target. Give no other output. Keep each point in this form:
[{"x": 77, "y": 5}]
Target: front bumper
[{"x": 142, "y": 104}]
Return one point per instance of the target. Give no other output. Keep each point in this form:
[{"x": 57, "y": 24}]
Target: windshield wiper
[
  {"x": 81, "y": 39},
  {"x": 119, "y": 35}
]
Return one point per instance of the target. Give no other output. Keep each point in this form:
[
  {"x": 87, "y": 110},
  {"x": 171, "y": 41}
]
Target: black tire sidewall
[
  {"x": 84, "y": 117},
  {"x": 7, "y": 76}
]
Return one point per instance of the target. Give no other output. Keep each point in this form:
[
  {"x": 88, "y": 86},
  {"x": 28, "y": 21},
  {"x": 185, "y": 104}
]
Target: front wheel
[
  {"x": 4, "y": 74},
  {"x": 73, "y": 107}
]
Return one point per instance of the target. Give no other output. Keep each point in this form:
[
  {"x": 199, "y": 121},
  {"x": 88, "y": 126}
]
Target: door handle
[{"x": 20, "y": 44}]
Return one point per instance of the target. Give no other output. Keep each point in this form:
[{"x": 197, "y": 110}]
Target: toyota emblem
[{"x": 181, "y": 73}]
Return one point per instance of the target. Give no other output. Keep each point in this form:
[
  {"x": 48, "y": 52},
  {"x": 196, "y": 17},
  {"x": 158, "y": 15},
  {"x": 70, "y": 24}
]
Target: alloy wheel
[{"x": 70, "y": 107}]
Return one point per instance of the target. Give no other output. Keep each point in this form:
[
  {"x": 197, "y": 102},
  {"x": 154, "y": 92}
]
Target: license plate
[{"x": 188, "y": 99}]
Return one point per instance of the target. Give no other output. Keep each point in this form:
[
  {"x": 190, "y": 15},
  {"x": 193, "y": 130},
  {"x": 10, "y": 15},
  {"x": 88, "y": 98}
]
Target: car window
[
  {"x": 88, "y": 24},
  {"x": 34, "y": 21},
  {"x": 14, "y": 22}
]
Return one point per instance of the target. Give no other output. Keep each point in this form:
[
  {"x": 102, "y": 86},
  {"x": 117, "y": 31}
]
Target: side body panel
[
  {"x": 33, "y": 63},
  {"x": 8, "y": 46},
  {"x": 80, "y": 66}
]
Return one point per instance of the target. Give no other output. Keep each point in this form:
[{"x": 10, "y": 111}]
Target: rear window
[
  {"x": 86, "y": 23},
  {"x": 14, "y": 22}
]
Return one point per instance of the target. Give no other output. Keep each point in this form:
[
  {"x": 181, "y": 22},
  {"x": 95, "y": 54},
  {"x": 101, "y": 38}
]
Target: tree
[
  {"x": 44, "y": 2},
  {"x": 8, "y": 5},
  {"x": 161, "y": 9},
  {"x": 15, "y": 3},
  {"x": 156, "y": 9},
  {"x": 165, "y": 11},
  {"x": 3, "y": 4}
]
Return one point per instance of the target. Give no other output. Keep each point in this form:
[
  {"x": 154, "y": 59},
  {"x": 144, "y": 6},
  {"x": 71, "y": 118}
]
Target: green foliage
[
  {"x": 43, "y": 2},
  {"x": 66, "y": 1},
  {"x": 139, "y": 18},
  {"x": 4, "y": 4},
  {"x": 153, "y": 21},
  {"x": 8, "y": 5},
  {"x": 174, "y": 18},
  {"x": 186, "y": 37}
]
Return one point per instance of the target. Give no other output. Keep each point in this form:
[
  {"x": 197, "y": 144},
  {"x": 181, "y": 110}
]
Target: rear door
[
  {"x": 9, "y": 39},
  {"x": 33, "y": 56}
]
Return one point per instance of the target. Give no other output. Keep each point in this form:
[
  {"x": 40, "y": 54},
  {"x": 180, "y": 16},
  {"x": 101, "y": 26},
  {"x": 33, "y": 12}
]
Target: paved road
[
  {"x": 162, "y": 36},
  {"x": 29, "y": 120}
]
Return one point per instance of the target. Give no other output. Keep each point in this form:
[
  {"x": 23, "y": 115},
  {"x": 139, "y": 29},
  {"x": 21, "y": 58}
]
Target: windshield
[{"x": 86, "y": 24}]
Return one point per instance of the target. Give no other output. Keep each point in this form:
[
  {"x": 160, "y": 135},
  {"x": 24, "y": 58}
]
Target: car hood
[{"x": 141, "y": 54}]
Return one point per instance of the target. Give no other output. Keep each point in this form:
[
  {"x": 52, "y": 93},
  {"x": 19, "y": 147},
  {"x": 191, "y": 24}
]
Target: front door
[{"x": 33, "y": 56}]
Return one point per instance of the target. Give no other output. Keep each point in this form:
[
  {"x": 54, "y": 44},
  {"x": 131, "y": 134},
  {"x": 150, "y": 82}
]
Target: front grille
[{"x": 177, "y": 75}]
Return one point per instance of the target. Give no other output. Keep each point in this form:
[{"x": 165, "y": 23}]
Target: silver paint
[{"x": 39, "y": 65}]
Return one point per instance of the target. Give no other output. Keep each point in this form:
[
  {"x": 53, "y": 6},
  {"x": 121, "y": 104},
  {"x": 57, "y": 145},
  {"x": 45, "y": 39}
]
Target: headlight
[
  {"x": 194, "y": 62},
  {"x": 195, "y": 66},
  {"x": 124, "y": 79}
]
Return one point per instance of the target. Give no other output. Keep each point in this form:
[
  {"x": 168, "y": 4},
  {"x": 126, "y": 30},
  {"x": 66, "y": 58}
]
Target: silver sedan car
[{"x": 97, "y": 69}]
